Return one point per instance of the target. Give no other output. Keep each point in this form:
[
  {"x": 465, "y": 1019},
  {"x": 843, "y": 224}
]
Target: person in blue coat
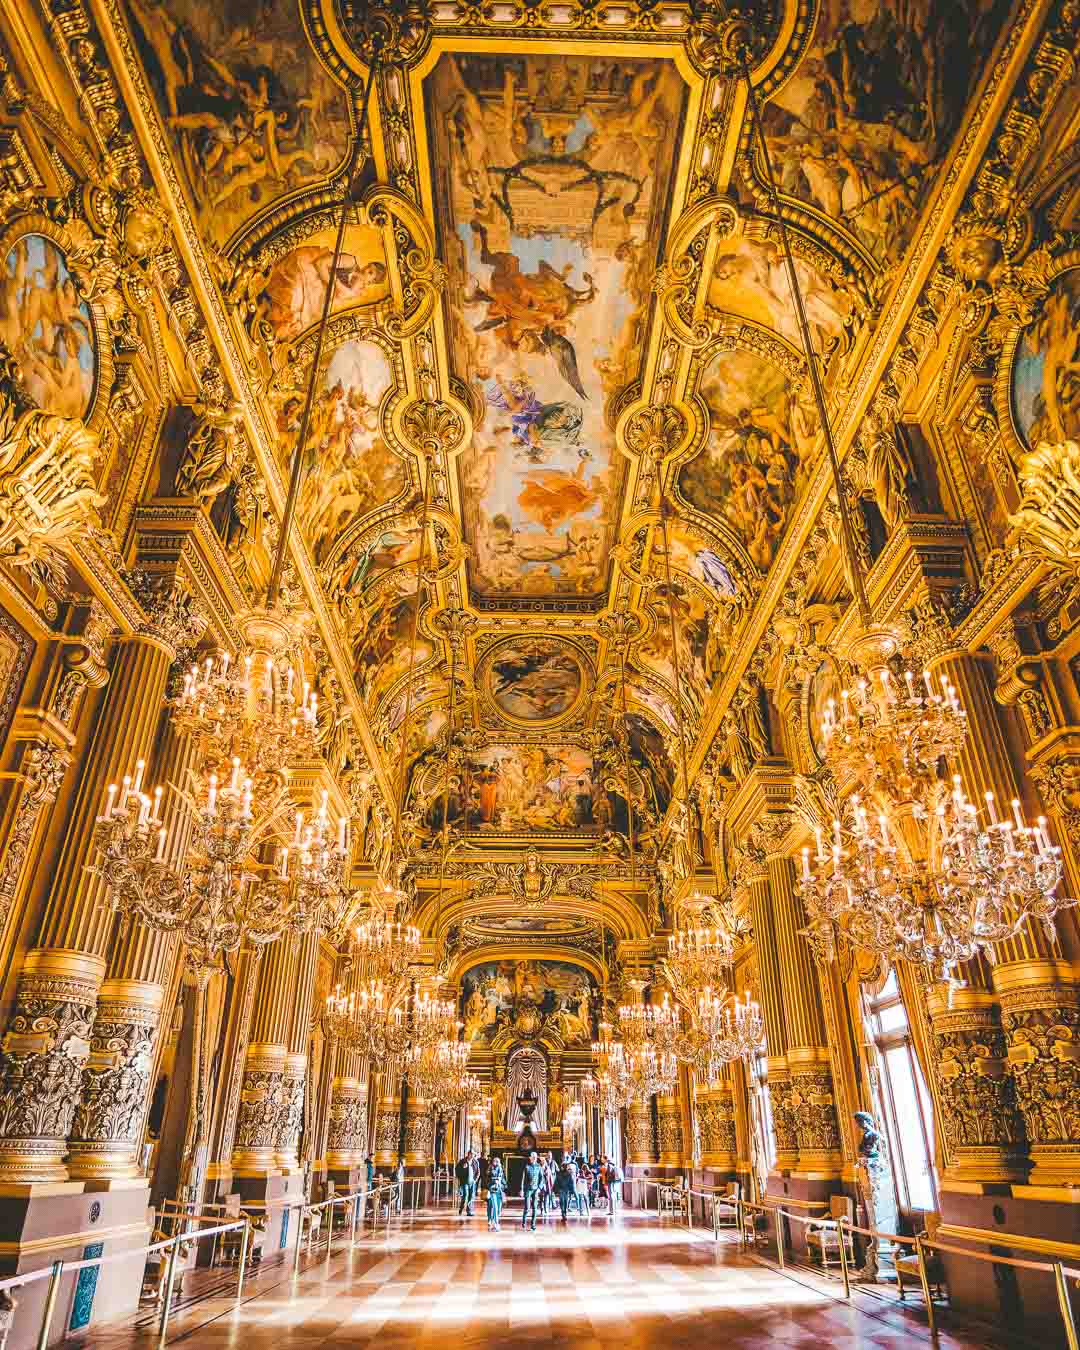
[{"x": 496, "y": 1190}]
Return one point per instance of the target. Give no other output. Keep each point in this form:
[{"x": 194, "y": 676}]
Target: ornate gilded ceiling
[{"x": 560, "y": 290}]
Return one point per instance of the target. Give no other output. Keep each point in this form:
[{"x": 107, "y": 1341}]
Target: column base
[
  {"x": 275, "y": 1192},
  {"x": 69, "y": 1222}
]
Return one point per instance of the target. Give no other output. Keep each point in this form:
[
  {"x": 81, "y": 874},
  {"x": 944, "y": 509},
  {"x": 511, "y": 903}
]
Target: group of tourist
[{"x": 575, "y": 1180}]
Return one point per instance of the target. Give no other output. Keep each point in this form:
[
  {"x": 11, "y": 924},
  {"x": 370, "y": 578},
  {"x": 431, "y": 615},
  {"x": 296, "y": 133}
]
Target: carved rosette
[
  {"x": 1040, "y": 1015},
  {"x": 44, "y": 1052},
  {"x": 640, "y": 1135},
  {"x": 983, "y": 1131},
  {"x": 669, "y": 1132},
  {"x": 264, "y": 1105},
  {"x": 347, "y": 1138},
  {"x": 419, "y": 1133},
  {"x": 813, "y": 1109},
  {"x": 716, "y": 1124},
  {"x": 387, "y": 1132},
  {"x": 107, "y": 1127}
]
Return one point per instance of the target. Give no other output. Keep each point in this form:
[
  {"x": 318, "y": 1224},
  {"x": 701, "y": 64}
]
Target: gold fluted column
[
  {"x": 640, "y": 1135},
  {"x": 811, "y": 1095},
  {"x": 1040, "y": 1017},
  {"x": 984, "y": 766},
  {"x": 49, "y": 1040},
  {"x": 418, "y": 1134},
  {"x": 716, "y": 1124},
  {"x": 107, "y": 1130},
  {"x": 264, "y": 1096},
  {"x": 347, "y": 1140},
  {"x": 980, "y": 1067},
  {"x": 294, "y": 1082},
  {"x": 766, "y": 946},
  {"x": 670, "y": 1135},
  {"x": 983, "y": 1131},
  {"x": 386, "y": 1140}
]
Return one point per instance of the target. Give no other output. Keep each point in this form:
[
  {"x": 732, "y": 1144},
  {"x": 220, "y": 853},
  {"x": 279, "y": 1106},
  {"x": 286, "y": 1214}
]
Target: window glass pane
[
  {"x": 890, "y": 989},
  {"x": 892, "y": 1018},
  {"x": 909, "y": 1113}
]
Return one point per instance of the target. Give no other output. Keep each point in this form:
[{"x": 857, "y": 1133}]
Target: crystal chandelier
[
  {"x": 698, "y": 956},
  {"x": 931, "y": 878},
  {"x": 649, "y": 1032},
  {"x": 936, "y": 887},
  {"x": 248, "y": 708},
  {"x": 724, "y": 1029},
  {"x": 320, "y": 899},
  {"x": 223, "y": 892}
]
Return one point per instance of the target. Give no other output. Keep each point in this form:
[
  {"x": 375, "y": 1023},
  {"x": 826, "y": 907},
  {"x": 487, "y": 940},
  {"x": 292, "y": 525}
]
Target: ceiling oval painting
[
  {"x": 533, "y": 679},
  {"x": 552, "y": 189},
  {"x": 251, "y": 110},
  {"x": 47, "y": 328}
]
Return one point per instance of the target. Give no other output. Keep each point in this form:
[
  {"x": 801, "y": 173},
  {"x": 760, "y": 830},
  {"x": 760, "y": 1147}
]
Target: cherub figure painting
[{"x": 552, "y": 208}]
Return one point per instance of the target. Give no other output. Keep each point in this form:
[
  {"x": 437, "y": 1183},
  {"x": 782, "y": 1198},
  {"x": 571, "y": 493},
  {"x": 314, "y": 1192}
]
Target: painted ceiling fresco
[
  {"x": 527, "y": 998},
  {"x": 551, "y": 210},
  {"x": 860, "y": 129},
  {"x": 558, "y": 272},
  {"x": 251, "y": 111},
  {"x": 46, "y": 327}
]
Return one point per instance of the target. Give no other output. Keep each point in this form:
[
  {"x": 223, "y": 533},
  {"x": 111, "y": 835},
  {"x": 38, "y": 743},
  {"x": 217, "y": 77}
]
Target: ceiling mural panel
[
  {"x": 526, "y": 999},
  {"x": 747, "y": 473},
  {"x": 860, "y": 128},
  {"x": 551, "y": 199},
  {"x": 46, "y": 326},
  {"x": 534, "y": 680},
  {"x": 1045, "y": 392},
  {"x": 292, "y": 299},
  {"x": 251, "y": 111}
]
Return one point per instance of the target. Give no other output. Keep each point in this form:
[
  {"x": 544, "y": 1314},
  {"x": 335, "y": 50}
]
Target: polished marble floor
[{"x": 435, "y": 1280}]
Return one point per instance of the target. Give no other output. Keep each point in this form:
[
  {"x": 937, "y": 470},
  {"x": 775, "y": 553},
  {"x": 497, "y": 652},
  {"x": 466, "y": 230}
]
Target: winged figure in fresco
[{"x": 527, "y": 310}]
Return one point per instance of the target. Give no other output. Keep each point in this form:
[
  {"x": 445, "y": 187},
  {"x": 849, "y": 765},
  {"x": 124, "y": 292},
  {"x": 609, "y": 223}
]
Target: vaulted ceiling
[{"x": 560, "y": 289}]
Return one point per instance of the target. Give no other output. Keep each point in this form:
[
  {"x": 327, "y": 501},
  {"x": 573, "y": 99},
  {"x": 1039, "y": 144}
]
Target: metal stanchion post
[
  {"x": 740, "y": 1221},
  {"x": 355, "y": 1212},
  {"x": 779, "y": 1213},
  {"x": 299, "y": 1242},
  {"x": 50, "y": 1304},
  {"x": 1071, "y": 1339},
  {"x": 843, "y": 1257},
  {"x": 247, "y": 1237},
  {"x": 930, "y": 1320},
  {"x": 166, "y": 1307}
]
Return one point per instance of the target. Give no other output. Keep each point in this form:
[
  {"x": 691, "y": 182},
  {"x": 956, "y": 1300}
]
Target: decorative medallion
[{"x": 534, "y": 680}]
